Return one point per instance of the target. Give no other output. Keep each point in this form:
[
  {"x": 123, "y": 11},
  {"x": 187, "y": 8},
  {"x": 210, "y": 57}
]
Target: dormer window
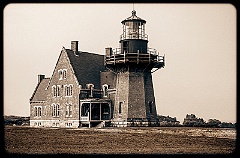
[{"x": 91, "y": 87}]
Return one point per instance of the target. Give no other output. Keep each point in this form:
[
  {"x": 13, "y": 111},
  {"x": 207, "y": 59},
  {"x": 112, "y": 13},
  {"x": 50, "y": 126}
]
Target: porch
[{"x": 95, "y": 111}]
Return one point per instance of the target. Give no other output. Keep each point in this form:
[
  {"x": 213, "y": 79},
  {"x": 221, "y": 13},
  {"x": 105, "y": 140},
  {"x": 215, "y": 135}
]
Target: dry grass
[{"x": 152, "y": 140}]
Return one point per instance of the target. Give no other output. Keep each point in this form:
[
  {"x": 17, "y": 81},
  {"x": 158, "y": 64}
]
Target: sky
[{"x": 198, "y": 40}]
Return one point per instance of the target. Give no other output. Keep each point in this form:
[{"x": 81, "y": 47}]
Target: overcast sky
[{"x": 198, "y": 40}]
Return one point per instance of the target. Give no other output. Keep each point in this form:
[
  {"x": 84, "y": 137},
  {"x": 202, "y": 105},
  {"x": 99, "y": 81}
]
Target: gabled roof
[
  {"x": 86, "y": 66},
  {"x": 39, "y": 93}
]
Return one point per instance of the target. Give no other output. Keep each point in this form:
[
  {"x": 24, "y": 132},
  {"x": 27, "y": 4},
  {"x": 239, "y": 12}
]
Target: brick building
[{"x": 112, "y": 89}]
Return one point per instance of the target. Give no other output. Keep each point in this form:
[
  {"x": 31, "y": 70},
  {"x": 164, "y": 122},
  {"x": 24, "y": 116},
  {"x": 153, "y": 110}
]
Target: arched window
[
  {"x": 39, "y": 111},
  {"x": 67, "y": 91},
  {"x": 64, "y": 74},
  {"x": 58, "y": 91},
  {"x": 105, "y": 88},
  {"x": 150, "y": 106},
  {"x": 36, "y": 112},
  {"x": 54, "y": 91},
  {"x": 60, "y": 74},
  {"x": 58, "y": 110},
  {"x": 54, "y": 110},
  {"x": 70, "y": 90},
  {"x": 120, "y": 107},
  {"x": 68, "y": 110}
]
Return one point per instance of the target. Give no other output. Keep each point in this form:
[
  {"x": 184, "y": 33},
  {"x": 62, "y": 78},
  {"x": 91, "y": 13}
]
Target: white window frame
[
  {"x": 58, "y": 87},
  {"x": 54, "y": 90},
  {"x": 68, "y": 90},
  {"x": 68, "y": 112},
  {"x": 105, "y": 88},
  {"x": 36, "y": 111},
  {"x": 64, "y": 73},
  {"x": 60, "y": 74},
  {"x": 120, "y": 108},
  {"x": 55, "y": 110}
]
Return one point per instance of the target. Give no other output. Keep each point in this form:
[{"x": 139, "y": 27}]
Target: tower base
[{"x": 135, "y": 122}]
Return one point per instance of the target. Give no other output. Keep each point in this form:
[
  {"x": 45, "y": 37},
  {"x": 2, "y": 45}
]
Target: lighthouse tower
[{"x": 133, "y": 63}]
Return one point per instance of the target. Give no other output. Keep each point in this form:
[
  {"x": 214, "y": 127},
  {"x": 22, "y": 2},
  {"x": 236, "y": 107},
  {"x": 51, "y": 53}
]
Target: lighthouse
[{"x": 133, "y": 64}]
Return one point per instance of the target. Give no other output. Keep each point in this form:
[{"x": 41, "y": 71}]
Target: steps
[{"x": 100, "y": 125}]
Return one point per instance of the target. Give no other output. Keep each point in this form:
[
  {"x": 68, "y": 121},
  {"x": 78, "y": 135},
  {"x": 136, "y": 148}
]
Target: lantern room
[{"x": 133, "y": 28}]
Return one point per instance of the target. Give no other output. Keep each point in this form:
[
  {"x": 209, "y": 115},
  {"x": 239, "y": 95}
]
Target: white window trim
[
  {"x": 58, "y": 92},
  {"x": 105, "y": 94},
  {"x": 67, "y": 90},
  {"x": 54, "y": 91},
  {"x": 120, "y": 108},
  {"x": 36, "y": 107},
  {"x": 60, "y": 76},
  {"x": 54, "y": 106},
  {"x": 64, "y": 76},
  {"x": 67, "y": 111}
]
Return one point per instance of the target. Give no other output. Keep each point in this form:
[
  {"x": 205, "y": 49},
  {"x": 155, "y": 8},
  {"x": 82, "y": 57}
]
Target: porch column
[
  {"x": 109, "y": 105},
  {"x": 90, "y": 116}
]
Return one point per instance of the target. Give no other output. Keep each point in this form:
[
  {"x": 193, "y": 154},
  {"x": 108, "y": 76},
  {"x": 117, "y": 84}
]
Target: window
[
  {"x": 54, "y": 91},
  {"x": 60, "y": 74},
  {"x": 68, "y": 124},
  {"x": 90, "y": 86},
  {"x": 58, "y": 91},
  {"x": 37, "y": 111},
  {"x": 55, "y": 110},
  {"x": 58, "y": 110},
  {"x": 150, "y": 106},
  {"x": 68, "y": 90},
  {"x": 69, "y": 110},
  {"x": 120, "y": 107},
  {"x": 105, "y": 88},
  {"x": 64, "y": 73}
]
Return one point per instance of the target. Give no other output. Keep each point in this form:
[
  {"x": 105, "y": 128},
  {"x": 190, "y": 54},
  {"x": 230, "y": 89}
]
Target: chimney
[
  {"x": 74, "y": 47},
  {"x": 40, "y": 78},
  {"x": 108, "y": 51}
]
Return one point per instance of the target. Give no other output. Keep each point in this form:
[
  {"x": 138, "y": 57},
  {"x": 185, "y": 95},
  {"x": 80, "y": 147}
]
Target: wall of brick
[
  {"x": 149, "y": 95},
  {"x": 135, "y": 90},
  {"x": 62, "y": 100},
  {"x": 122, "y": 89},
  {"x": 136, "y": 105}
]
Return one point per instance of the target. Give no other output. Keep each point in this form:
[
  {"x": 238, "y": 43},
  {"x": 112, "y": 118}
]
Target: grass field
[{"x": 134, "y": 140}]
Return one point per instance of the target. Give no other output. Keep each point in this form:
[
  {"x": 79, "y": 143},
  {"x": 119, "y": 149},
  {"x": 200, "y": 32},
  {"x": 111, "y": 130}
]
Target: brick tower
[{"x": 133, "y": 63}]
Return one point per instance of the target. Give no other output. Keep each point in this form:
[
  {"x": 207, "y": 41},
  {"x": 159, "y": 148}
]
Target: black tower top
[
  {"x": 133, "y": 39},
  {"x": 133, "y": 54}
]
